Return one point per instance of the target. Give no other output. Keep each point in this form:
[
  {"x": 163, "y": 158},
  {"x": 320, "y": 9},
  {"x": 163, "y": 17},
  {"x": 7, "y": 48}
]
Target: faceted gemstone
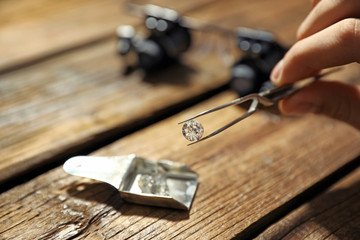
[
  {"x": 193, "y": 130},
  {"x": 154, "y": 181}
]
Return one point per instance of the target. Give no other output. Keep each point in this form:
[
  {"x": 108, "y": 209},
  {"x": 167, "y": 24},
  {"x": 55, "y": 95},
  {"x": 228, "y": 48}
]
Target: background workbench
[{"x": 62, "y": 94}]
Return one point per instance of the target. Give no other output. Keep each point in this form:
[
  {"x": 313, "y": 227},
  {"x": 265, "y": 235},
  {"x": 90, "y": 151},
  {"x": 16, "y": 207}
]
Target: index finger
[{"x": 333, "y": 46}]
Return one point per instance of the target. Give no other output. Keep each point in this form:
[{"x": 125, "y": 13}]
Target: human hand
[{"x": 328, "y": 37}]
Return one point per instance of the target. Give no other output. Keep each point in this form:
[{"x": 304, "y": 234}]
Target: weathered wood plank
[
  {"x": 80, "y": 97},
  {"x": 36, "y": 29},
  {"x": 335, "y": 214},
  {"x": 245, "y": 174},
  {"x": 283, "y": 18}
]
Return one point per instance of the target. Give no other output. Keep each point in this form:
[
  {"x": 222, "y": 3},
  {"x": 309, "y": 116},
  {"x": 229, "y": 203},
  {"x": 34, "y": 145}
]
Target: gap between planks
[
  {"x": 312, "y": 192},
  {"x": 86, "y": 146},
  {"x": 217, "y": 162}
]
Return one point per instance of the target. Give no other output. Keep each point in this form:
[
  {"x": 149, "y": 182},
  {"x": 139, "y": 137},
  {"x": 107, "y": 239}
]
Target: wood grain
[
  {"x": 246, "y": 173},
  {"x": 38, "y": 29},
  {"x": 67, "y": 102},
  {"x": 260, "y": 14},
  {"x": 72, "y": 95},
  {"x": 335, "y": 214},
  {"x": 79, "y": 96}
]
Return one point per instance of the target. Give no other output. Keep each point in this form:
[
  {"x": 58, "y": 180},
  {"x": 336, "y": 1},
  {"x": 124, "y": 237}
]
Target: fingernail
[{"x": 276, "y": 72}]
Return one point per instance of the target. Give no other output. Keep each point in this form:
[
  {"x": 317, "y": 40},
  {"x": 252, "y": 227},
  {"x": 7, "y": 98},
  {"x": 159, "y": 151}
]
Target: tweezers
[{"x": 266, "y": 98}]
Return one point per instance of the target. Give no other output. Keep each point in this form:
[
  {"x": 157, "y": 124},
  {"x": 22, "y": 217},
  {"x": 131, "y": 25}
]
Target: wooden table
[{"x": 62, "y": 94}]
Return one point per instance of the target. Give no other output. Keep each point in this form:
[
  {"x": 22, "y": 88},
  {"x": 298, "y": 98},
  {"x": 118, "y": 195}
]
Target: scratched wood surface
[
  {"x": 335, "y": 214},
  {"x": 59, "y": 95},
  {"x": 78, "y": 98},
  {"x": 248, "y": 175},
  {"x": 51, "y": 107}
]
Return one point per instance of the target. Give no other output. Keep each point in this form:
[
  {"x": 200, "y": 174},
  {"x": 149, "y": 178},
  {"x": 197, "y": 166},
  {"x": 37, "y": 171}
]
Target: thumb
[{"x": 334, "y": 99}]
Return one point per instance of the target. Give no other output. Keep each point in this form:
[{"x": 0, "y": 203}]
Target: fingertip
[
  {"x": 282, "y": 107},
  {"x": 296, "y": 106},
  {"x": 300, "y": 33},
  {"x": 277, "y": 72},
  {"x": 334, "y": 99}
]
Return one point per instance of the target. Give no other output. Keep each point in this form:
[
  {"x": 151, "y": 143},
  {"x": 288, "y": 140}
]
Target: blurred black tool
[
  {"x": 166, "y": 40},
  {"x": 251, "y": 73},
  {"x": 169, "y": 35}
]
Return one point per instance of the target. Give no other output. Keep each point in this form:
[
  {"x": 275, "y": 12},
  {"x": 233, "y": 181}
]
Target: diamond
[
  {"x": 153, "y": 181},
  {"x": 193, "y": 130}
]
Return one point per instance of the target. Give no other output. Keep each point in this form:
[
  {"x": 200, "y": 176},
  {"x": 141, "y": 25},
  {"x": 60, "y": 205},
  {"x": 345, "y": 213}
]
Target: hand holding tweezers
[{"x": 266, "y": 98}]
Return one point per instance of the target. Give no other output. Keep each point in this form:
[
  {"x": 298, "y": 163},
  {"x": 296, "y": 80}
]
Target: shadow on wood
[
  {"x": 106, "y": 194},
  {"x": 337, "y": 211},
  {"x": 180, "y": 75},
  {"x": 334, "y": 214}
]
